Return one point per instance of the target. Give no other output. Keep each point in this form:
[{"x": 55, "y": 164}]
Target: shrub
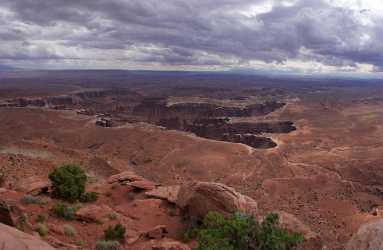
[
  {"x": 107, "y": 245},
  {"x": 89, "y": 197},
  {"x": 69, "y": 230},
  {"x": 243, "y": 232},
  {"x": 40, "y": 218},
  {"x": 63, "y": 211},
  {"x": 29, "y": 199},
  {"x": 42, "y": 229},
  {"x": 68, "y": 182},
  {"x": 115, "y": 233},
  {"x": 271, "y": 236}
]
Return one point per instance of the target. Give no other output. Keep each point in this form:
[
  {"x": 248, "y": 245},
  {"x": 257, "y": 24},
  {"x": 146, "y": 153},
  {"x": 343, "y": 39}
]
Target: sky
[{"x": 292, "y": 36}]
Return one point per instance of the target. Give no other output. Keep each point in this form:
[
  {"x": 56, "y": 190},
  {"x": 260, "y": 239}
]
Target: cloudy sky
[{"x": 304, "y": 36}]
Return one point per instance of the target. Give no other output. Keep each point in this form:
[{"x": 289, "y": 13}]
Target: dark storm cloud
[{"x": 193, "y": 32}]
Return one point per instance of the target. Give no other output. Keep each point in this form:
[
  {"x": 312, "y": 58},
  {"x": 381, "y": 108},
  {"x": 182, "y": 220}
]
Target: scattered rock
[
  {"x": 169, "y": 193},
  {"x": 142, "y": 185},
  {"x": 124, "y": 176},
  {"x": 94, "y": 213},
  {"x": 199, "y": 198},
  {"x": 12, "y": 239},
  {"x": 368, "y": 237},
  {"x": 157, "y": 232}
]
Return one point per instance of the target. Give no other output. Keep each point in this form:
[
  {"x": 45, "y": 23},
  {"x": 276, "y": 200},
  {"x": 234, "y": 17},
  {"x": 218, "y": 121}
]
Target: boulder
[
  {"x": 368, "y": 237},
  {"x": 169, "y": 193},
  {"x": 124, "y": 177},
  {"x": 34, "y": 186},
  {"x": 157, "y": 232},
  {"x": 12, "y": 239},
  {"x": 199, "y": 198}
]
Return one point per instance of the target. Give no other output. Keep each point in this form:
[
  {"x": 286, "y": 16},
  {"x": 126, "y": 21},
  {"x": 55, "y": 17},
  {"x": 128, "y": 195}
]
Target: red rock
[
  {"x": 157, "y": 232},
  {"x": 368, "y": 237},
  {"x": 167, "y": 244},
  {"x": 13, "y": 239},
  {"x": 124, "y": 176},
  {"x": 169, "y": 193},
  {"x": 34, "y": 186},
  {"x": 94, "y": 213},
  {"x": 59, "y": 244},
  {"x": 199, "y": 198},
  {"x": 293, "y": 224},
  {"x": 10, "y": 214},
  {"x": 143, "y": 185}
]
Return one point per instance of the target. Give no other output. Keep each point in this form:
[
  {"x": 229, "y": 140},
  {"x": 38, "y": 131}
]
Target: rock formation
[
  {"x": 199, "y": 198},
  {"x": 13, "y": 239},
  {"x": 368, "y": 237}
]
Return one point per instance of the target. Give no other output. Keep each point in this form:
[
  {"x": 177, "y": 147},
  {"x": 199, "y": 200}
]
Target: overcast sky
[{"x": 304, "y": 36}]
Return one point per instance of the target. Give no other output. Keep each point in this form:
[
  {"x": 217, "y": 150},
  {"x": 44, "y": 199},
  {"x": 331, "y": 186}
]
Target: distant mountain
[{"x": 5, "y": 67}]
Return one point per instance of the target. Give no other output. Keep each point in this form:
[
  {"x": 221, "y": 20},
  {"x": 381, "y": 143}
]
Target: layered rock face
[
  {"x": 206, "y": 120},
  {"x": 213, "y": 122},
  {"x": 156, "y": 108}
]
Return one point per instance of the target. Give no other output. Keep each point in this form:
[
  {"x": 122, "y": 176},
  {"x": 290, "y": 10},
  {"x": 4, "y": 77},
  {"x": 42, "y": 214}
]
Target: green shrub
[
  {"x": 69, "y": 230},
  {"x": 29, "y": 199},
  {"x": 107, "y": 245},
  {"x": 42, "y": 229},
  {"x": 89, "y": 197},
  {"x": 243, "y": 232},
  {"x": 63, "y": 211},
  {"x": 68, "y": 182},
  {"x": 115, "y": 233}
]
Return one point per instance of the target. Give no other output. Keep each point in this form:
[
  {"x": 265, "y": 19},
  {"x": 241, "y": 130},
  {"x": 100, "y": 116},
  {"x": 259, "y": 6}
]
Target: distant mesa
[{"x": 207, "y": 120}]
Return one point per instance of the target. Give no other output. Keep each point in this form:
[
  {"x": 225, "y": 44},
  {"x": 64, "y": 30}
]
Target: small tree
[
  {"x": 243, "y": 232},
  {"x": 68, "y": 182}
]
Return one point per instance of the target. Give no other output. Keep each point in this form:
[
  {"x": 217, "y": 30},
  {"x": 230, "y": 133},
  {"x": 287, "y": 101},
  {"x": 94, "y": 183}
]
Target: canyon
[{"x": 311, "y": 148}]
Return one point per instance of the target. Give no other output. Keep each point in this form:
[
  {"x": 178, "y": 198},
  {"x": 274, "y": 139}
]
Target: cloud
[{"x": 189, "y": 33}]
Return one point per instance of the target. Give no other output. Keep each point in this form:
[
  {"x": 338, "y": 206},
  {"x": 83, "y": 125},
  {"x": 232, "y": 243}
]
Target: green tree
[{"x": 68, "y": 182}]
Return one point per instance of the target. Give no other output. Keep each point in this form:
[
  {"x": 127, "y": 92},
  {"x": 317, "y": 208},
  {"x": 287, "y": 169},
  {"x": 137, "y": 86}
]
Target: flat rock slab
[
  {"x": 13, "y": 239},
  {"x": 169, "y": 193},
  {"x": 142, "y": 185},
  {"x": 124, "y": 176}
]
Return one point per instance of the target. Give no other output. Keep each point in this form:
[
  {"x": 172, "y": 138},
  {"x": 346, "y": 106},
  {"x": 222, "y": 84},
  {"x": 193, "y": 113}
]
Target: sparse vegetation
[
  {"x": 69, "y": 230},
  {"x": 68, "y": 182},
  {"x": 40, "y": 218},
  {"x": 89, "y": 197},
  {"x": 115, "y": 233},
  {"x": 29, "y": 199},
  {"x": 42, "y": 229},
  {"x": 22, "y": 221},
  {"x": 112, "y": 216},
  {"x": 242, "y": 232},
  {"x": 107, "y": 245},
  {"x": 61, "y": 210}
]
